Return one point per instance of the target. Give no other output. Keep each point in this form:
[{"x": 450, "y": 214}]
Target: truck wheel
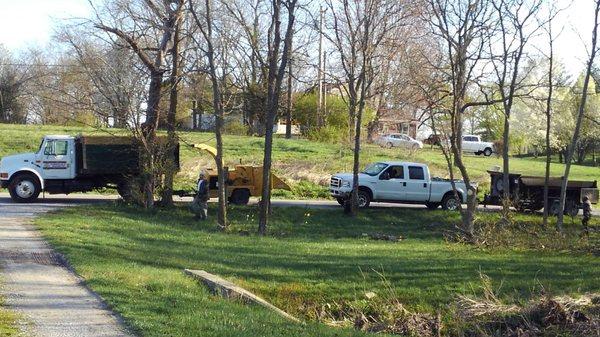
[
  {"x": 240, "y": 197},
  {"x": 554, "y": 207},
  {"x": 389, "y": 145},
  {"x": 432, "y": 205},
  {"x": 340, "y": 201},
  {"x": 571, "y": 208},
  {"x": 364, "y": 199},
  {"x": 487, "y": 152},
  {"x": 24, "y": 188},
  {"x": 124, "y": 189},
  {"x": 450, "y": 202}
]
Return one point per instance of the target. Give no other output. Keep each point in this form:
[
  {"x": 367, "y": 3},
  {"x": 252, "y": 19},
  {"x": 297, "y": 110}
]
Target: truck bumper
[{"x": 339, "y": 194}]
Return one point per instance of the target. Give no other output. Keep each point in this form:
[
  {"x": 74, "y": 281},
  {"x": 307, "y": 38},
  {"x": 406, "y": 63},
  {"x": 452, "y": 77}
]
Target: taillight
[{"x": 3, "y": 175}]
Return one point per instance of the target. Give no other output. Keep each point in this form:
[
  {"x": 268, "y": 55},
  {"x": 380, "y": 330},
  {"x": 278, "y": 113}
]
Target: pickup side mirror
[{"x": 384, "y": 176}]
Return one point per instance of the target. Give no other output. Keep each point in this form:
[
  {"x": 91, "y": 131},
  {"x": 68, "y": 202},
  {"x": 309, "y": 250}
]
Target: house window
[{"x": 404, "y": 127}]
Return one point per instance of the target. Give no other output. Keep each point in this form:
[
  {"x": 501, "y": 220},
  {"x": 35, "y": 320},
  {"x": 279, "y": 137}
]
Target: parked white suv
[
  {"x": 399, "y": 140},
  {"x": 399, "y": 182},
  {"x": 473, "y": 144}
]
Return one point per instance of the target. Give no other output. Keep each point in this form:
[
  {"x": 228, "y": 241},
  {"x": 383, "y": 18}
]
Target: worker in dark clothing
[
  {"x": 199, "y": 205},
  {"x": 587, "y": 213}
]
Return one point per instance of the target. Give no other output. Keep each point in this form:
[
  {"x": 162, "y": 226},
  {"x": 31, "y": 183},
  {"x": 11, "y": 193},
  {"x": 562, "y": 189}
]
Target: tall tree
[
  {"x": 580, "y": 114},
  {"x": 514, "y": 19},
  {"x": 359, "y": 31},
  {"x": 462, "y": 28},
  {"x": 277, "y": 62},
  {"x": 206, "y": 25},
  {"x": 164, "y": 17}
]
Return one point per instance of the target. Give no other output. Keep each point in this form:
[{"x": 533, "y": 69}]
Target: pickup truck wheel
[
  {"x": 432, "y": 205},
  {"x": 24, "y": 188},
  {"x": 340, "y": 201},
  {"x": 450, "y": 203},
  {"x": 240, "y": 197},
  {"x": 364, "y": 200},
  {"x": 487, "y": 152},
  {"x": 389, "y": 145}
]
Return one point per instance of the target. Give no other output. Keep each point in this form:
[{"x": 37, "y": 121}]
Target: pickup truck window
[
  {"x": 395, "y": 172},
  {"x": 374, "y": 169},
  {"x": 416, "y": 173}
]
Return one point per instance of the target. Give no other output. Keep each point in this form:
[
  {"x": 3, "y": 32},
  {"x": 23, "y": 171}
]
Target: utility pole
[{"x": 320, "y": 72}]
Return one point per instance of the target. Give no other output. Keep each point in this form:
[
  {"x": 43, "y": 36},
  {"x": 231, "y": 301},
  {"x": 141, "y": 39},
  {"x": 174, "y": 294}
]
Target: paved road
[
  {"x": 52, "y": 300},
  {"x": 78, "y": 199}
]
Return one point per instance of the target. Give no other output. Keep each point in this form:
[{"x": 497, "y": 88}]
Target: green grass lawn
[
  {"x": 304, "y": 163},
  {"x": 311, "y": 258}
]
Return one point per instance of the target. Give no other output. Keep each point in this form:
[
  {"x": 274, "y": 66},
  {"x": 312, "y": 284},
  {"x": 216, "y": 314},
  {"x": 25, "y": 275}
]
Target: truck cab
[
  {"x": 399, "y": 182},
  {"x": 474, "y": 144},
  {"x": 25, "y": 174}
]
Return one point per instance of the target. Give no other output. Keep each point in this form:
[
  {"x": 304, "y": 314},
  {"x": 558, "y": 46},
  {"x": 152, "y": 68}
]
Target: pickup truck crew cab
[
  {"x": 66, "y": 164},
  {"x": 399, "y": 182},
  {"x": 473, "y": 144}
]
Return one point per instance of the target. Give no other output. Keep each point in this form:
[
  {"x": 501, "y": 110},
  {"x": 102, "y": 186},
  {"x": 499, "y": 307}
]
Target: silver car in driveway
[{"x": 398, "y": 140}]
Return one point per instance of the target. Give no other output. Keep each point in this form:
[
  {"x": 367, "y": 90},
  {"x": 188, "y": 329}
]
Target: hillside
[{"x": 305, "y": 164}]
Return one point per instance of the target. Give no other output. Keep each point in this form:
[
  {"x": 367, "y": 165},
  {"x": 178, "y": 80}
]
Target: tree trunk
[
  {"x": 170, "y": 169},
  {"x": 581, "y": 112},
  {"x": 505, "y": 166},
  {"x": 288, "y": 114}
]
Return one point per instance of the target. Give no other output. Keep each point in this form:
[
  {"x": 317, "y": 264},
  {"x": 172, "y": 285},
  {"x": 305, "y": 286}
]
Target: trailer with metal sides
[{"x": 526, "y": 193}]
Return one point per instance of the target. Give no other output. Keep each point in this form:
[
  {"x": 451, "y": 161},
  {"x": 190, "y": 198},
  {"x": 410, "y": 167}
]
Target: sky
[{"x": 25, "y": 23}]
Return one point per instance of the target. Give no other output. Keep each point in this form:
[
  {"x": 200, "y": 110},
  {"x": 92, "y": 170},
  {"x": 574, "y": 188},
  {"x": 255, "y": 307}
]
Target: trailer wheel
[
  {"x": 240, "y": 197},
  {"x": 25, "y": 187}
]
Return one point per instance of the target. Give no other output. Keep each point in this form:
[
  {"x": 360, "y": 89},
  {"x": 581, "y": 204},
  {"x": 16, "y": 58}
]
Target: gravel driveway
[{"x": 51, "y": 299}]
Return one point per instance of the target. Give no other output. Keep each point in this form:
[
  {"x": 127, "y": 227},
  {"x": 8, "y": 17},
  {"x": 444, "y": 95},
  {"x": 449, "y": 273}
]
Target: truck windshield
[
  {"x": 374, "y": 169},
  {"x": 40, "y": 147}
]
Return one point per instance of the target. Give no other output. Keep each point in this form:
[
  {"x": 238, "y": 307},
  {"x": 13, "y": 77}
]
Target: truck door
[
  {"x": 57, "y": 159},
  {"x": 391, "y": 184},
  {"x": 417, "y": 185}
]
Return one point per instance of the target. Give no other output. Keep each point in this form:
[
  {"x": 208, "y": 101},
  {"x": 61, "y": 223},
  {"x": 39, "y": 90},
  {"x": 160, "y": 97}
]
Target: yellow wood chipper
[{"x": 243, "y": 182}]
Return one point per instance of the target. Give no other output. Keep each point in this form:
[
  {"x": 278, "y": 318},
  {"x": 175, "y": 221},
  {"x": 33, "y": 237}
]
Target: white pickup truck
[
  {"x": 399, "y": 182},
  {"x": 473, "y": 144}
]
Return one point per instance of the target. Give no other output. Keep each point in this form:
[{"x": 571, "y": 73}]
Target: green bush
[
  {"x": 235, "y": 128},
  {"x": 327, "y": 134}
]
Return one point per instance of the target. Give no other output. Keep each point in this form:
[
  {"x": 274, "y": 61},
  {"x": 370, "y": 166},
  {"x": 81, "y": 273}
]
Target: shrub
[{"x": 235, "y": 128}]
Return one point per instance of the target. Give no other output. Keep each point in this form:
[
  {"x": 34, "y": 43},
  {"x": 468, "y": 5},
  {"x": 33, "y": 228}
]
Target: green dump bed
[{"x": 107, "y": 155}]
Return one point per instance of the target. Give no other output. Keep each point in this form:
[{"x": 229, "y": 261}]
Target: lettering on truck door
[
  {"x": 417, "y": 188},
  {"x": 56, "y": 161},
  {"x": 391, "y": 184}
]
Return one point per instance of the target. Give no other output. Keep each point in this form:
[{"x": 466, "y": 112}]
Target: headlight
[{"x": 345, "y": 183}]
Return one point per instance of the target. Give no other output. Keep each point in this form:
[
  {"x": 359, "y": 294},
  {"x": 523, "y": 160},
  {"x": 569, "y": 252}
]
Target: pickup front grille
[{"x": 335, "y": 182}]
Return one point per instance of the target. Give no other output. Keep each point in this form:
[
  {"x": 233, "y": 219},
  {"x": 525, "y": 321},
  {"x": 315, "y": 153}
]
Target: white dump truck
[
  {"x": 67, "y": 164},
  {"x": 399, "y": 182}
]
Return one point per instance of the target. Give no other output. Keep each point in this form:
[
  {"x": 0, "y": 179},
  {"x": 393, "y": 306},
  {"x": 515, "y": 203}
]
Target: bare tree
[
  {"x": 580, "y": 115},
  {"x": 514, "y": 19},
  {"x": 358, "y": 32},
  {"x": 277, "y": 63},
  {"x": 165, "y": 17},
  {"x": 462, "y": 28},
  {"x": 206, "y": 26}
]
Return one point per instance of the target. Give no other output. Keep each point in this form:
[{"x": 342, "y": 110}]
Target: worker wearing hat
[
  {"x": 587, "y": 213},
  {"x": 199, "y": 205}
]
